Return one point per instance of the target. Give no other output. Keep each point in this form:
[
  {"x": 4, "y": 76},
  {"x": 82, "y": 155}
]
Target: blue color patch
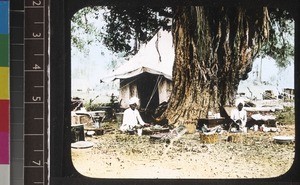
[{"x": 4, "y": 18}]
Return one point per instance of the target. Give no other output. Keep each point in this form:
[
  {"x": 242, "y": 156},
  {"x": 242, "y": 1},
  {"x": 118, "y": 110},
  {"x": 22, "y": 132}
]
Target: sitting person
[
  {"x": 238, "y": 116},
  {"x": 131, "y": 117}
]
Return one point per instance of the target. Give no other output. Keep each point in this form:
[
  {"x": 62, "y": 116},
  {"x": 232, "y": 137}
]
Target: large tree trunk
[{"x": 214, "y": 50}]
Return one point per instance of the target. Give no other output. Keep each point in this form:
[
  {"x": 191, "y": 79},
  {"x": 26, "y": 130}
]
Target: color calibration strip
[{"x": 4, "y": 94}]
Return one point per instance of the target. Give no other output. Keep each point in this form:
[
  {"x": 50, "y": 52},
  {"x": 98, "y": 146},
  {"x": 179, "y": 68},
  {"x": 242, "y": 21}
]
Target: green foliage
[
  {"x": 128, "y": 26},
  {"x": 280, "y": 45},
  {"x": 286, "y": 116},
  {"x": 83, "y": 29},
  {"x": 124, "y": 28},
  {"x": 95, "y": 106}
]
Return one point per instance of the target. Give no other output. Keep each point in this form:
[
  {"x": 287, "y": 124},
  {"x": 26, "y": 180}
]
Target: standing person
[
  {"x": 131, "y": 117},
  {"x": 239, "y": 116}
]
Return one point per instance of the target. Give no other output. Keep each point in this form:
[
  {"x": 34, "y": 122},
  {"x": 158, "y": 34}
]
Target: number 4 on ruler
[{"x": 36, "y": 67}]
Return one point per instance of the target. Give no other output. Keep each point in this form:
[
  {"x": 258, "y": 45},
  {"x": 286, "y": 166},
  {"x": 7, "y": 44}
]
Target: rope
[{"x": 159, "y": 78}]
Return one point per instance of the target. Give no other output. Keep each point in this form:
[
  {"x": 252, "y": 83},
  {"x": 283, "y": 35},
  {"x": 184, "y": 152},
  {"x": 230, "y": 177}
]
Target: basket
[
  {"x": 209, "y": 138},
  {"x": 190, "y": 126},
  {"x": 235, "y": 138}
]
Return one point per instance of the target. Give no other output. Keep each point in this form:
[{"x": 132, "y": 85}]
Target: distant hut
[{"x": 288, "y": 94}]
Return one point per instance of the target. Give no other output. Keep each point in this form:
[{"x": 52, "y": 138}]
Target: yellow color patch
[{"x": 4, "y": 83}]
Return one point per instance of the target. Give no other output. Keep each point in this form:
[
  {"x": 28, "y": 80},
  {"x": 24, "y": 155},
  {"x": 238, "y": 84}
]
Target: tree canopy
[
  {"x": 126, "y": 28},
  {"x": 280, "y": 45}
]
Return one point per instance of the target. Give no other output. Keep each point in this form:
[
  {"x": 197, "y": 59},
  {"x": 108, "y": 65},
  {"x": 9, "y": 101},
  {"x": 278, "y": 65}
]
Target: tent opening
[{"x": 148, "y": 91}]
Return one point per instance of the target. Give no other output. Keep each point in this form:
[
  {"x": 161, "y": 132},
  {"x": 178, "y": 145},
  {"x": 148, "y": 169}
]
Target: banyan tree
[{"x": 214, "y": 51}]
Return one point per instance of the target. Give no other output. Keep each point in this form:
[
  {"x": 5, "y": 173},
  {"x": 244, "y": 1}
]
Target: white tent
[
  {"x": 155, "y": 57},
  {"x": 148, "y": 74}
]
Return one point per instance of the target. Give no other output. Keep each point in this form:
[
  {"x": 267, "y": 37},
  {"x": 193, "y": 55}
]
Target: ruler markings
[
  {"x": 34, "y": 134},
  {"x": 30, "y": 80},
  {"x": 30, "y": 7},
  {"x": 34, "y": 70},
  {"x": 17, "y": 44},
  {"x": 33, "y": 166},
  {"x": 16, "y": 60},
  {"x": 44, "y": 79},
  {"x": 17, "y": 107},
  {"x": 44, "y": 51},
  {"x": 34, "y": 38},
  {"x": 33, "y": 102},
  {"x": 16, "y": 11}
]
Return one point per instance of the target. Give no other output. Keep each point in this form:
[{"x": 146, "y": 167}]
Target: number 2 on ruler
[{"x": 36, "y": 3}]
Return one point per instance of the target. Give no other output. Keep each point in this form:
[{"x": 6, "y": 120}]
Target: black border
[{"x": 62, "y": 170}]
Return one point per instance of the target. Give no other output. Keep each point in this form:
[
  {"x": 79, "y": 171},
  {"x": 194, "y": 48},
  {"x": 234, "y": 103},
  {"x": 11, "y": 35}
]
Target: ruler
[{"x": 35, "y": 99}]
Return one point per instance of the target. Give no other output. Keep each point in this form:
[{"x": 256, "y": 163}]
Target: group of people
[{"x": 133, "y": 120}]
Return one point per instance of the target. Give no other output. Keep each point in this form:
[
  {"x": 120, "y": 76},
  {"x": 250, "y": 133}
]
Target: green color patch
[{"x": 4, "y": 52}]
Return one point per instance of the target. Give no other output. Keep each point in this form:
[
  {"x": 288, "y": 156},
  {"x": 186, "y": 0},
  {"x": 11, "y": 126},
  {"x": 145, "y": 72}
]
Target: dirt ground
[{"x": 117, "y": 155}]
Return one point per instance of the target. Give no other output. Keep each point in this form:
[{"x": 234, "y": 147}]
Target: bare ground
[{"x": 117, "y": 155}]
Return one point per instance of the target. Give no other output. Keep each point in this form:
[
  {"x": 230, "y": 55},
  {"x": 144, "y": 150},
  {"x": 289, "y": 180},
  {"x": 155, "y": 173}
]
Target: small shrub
[
  {"x": 286, "y": 116},
  {"x": 94, "y": 106}
]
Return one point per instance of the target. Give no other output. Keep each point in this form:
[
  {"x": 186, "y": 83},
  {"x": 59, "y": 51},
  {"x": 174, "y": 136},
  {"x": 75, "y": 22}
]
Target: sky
[
  {"x": 87, "y": 70},
  {"x": 275, "y": 79},
  {"x": 283, "y": 78}
]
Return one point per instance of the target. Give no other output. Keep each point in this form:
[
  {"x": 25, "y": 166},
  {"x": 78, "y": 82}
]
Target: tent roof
[
  {"x": 141, "y": 70},
  {"x": 155, "y": 57}
]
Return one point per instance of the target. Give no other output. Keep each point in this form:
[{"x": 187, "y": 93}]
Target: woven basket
[
  {"x": 190, "y": 126},
  {"x": 209, "y": 138},
  {"x": 235, "y": 138}
]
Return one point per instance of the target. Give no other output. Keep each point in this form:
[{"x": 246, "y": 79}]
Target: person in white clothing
[
  {"x": 131, "y": 117},
  {"x": 239, "y": 116}
]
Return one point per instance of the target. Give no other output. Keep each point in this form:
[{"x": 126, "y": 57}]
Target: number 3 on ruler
[
  {"x": 38, "y": 98},
  {"x": 36, "y": 34},
  {"x": 36, "y": 3}
]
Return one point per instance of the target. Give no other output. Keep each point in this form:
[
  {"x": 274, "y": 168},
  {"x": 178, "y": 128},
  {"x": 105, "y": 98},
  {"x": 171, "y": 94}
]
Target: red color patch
[{"x": 4, "y": 116}]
